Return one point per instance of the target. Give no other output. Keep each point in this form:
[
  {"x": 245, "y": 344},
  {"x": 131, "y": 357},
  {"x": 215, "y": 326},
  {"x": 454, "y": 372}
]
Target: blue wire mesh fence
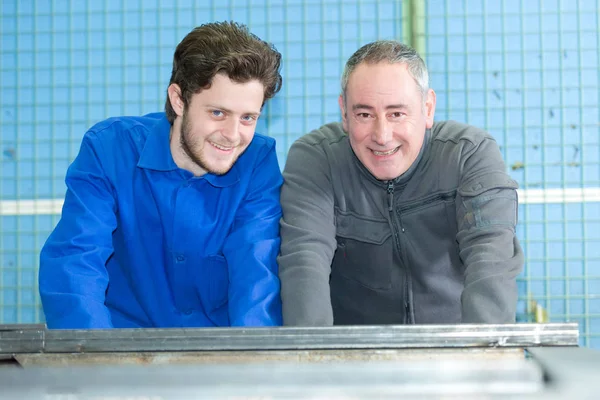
[{"x": 525, "y": 71}]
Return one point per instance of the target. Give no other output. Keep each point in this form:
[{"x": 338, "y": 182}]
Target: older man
[{"x": 392, "y": 218}]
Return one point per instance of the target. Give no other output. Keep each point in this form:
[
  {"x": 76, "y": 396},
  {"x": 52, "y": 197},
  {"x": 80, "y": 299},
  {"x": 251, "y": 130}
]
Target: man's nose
[
  {"x": 231, "y": 130},
  {"x": 382, "y": 133}
]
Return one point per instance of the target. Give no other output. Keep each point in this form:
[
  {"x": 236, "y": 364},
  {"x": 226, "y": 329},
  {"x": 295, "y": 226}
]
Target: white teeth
[
  {"x": 386, "y": 153},
  {"x": 221, "y": 147}
]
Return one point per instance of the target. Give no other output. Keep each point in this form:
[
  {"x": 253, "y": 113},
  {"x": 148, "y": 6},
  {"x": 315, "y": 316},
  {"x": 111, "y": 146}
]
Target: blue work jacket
[{"x": 143, "y": 243}]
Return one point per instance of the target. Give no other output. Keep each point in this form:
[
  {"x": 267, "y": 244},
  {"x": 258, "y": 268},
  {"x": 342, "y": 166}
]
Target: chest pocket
[
  {"x": 364, "y": 251},
  {"x": 210, "y": 280}
]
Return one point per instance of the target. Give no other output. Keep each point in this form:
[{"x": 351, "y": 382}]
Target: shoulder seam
[
  {"x": 95, "y": 130},
  {"x": 320, "y": 141}
]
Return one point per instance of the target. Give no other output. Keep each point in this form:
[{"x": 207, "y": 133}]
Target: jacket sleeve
[
  {"x": 73, "y": 277},
  {"x": 487, "y": 216},
  {"x": 307, "y": 237},
  {"x": 251, "y": 250}
]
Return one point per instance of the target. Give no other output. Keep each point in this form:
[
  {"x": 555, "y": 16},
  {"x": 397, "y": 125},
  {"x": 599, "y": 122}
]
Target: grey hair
[{"x": 393, "y": 52}]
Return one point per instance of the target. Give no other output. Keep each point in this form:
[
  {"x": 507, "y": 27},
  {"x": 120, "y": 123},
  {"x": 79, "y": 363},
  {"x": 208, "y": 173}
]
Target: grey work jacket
[{"x": 436, "y": 245}]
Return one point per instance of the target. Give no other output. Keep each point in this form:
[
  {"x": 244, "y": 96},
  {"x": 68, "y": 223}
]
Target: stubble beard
[{"x": 197, "y": 156}]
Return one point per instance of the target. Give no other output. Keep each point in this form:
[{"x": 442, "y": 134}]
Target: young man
[
  {"x": 390, "y": 218},
  {"x": 171, "y": 219}
]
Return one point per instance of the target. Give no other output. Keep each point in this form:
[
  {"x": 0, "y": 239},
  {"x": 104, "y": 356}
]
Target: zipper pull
[{"x": 390, "y": 191}]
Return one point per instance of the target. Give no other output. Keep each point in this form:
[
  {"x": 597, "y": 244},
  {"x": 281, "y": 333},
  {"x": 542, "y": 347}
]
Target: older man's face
[{"x": 385, "y": 117}]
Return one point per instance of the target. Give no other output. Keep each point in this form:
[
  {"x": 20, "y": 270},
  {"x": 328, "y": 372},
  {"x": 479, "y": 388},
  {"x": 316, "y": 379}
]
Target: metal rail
[{"x": 34, "y": 339}]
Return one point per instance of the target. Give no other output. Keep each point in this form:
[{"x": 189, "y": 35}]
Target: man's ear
[
  {"x": 175, "y": 98},
  {"x": 429, "y": 108},
  {"x": 343, "y": 111}
]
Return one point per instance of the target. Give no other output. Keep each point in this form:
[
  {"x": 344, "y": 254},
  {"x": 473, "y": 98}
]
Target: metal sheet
[
  {"x": 571, "y": 373},
  {"x": 336, "y": 337},
  {"x": 265, "y": 356},
  {"x": 551, "y": 373},
  {"x": 450, "y": 379}
]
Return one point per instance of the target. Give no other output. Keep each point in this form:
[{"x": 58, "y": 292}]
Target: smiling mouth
[
  {"x": 386, "y": 153},
  {"x": 220, "y": 146}
]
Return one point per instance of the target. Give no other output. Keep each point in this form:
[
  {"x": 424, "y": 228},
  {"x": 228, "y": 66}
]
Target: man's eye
[
  {"x": 217, "y": 113},
  {"x": 248, "y": 118},
  {"x": 363, "y": 115}
]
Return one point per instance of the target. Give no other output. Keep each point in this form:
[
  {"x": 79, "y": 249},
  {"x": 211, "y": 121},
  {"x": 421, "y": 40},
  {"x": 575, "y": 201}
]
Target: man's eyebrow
[
  {"x": 395, "y": 106},
  {"x": 362, "y": 107},
  {"x": 228, "y": 111},
  {"x": 389, "y": 107}
]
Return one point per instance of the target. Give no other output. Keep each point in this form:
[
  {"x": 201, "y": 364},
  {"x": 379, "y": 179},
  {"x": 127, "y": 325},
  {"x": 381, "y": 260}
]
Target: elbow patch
[{"x": 488, "y": 200}]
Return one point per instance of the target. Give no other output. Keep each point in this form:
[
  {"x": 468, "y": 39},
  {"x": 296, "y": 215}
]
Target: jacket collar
[
  {"x": 156, "y": 155},
  {"x": 230, "y": 178}
]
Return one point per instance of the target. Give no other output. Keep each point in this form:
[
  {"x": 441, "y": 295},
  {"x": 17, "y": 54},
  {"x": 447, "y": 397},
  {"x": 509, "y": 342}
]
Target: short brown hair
[{"x": 223, "y": 47}]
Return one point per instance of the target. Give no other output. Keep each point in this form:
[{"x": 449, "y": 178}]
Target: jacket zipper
[
  {"x": 390, "y": 192},
  {"x": 443, "y": 197}
]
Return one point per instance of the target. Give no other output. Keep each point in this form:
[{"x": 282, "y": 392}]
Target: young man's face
[
  {"x": 385, "y": 117},
  {"x": 217, "y": 126}
]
